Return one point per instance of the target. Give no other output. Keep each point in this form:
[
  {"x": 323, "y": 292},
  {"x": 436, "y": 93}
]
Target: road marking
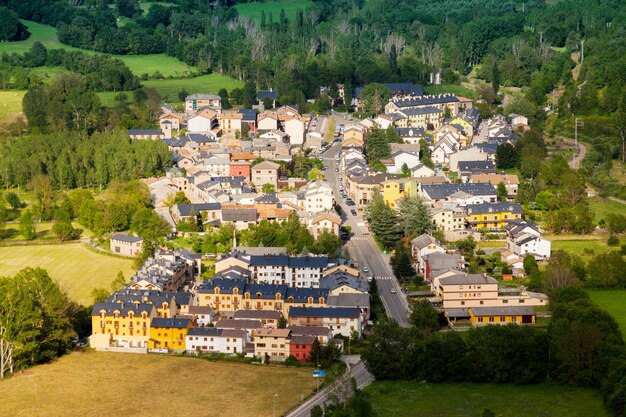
[{"x": 384, "y": 278}]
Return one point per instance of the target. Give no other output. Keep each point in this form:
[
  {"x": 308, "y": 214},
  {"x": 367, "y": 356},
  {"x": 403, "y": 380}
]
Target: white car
[
  {"x": 366, "y": 269},
  {"x": 393, "y": 290}
]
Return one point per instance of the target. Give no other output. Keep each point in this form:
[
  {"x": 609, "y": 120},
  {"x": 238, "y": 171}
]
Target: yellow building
[
  {"x": 492, "y": 215},
  {"x": 121, "y": 325},
  {"x": 227, "y": 295},
  {"x": 501, "y": 315},
  {"x": 394, "y": 189},
  {"x": 168, "y": 333}
]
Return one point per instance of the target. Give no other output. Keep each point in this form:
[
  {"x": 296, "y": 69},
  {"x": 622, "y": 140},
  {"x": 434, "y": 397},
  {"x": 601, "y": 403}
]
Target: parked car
[
  {"x": 353, "y": 212},
  {"x": 393, "y": 290},
  {"x": 350, "y": 202},
  {"x": 365, "y": 269}
]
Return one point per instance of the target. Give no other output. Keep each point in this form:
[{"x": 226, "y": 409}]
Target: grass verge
[{"x": 614, "y": 302}]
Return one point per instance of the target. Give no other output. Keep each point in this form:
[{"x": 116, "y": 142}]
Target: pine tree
[
  {"x": 402, "y": 263},
  {"x": 383, "y": 220},
  {"x": 415, "y": 217}
]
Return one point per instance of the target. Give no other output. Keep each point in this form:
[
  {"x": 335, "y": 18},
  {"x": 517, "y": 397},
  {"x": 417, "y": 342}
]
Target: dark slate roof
[
  {"x": 226, "y": 286},
  {"x": 420, "y": 110},
  {"x": 290, "y": 261},
  {"x": 175, "y": 142},
  {"x": 153, "y": 132},
  {"x": 493, "y": 208},
  {"x": 467, "y": 279},
  {"x": 424, "y": 100},
  {"x": 329, "y": 312},
  {"x": 487, "y": 147},
  {"x": 257, "y": 314},
  {"x": 340, "y": 278},
  {"x": 441, "y": 191},
  {"x": 126, "y": 238},
  {"x": 185, "y": 209},
  {"x": 200, "y": 138},
  {"x": 266, "y": 93},
  {"x": 247, "y": 214},
  {"x": 502, "y": 311},
  {"x": 396, "y": 89},
  {"x": 472, "y": 165},
  {"x": 302, "y": 340},
  {"x": 239, "y": 324},
  {"x": 309, "y": 330},
  {"x": 170, "y": 322},
  {"x": 123, "y": 308},
  {"x": 267, "y": 199},
  {"x": 204, "y": 331},
  {"x": 410, "y": 132},
  {"x": 249, "y": 115}
]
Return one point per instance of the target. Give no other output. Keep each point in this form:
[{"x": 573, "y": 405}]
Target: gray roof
[
  {"x": 203, "y": 97},
  {"x": 493, "y": 208},
  {"x": 261, "y": 94},
  {"x": 290, "y": 261},
  {"x": 396, "y": 89},
  {"x": 441, "y": 191},
  {"x": 126, "y": 238},
  {"x": 169, "y": 322},
  {"x": 503, "y": 311},
  {"x": 153, "y": 132},
  {"x": 473, "y": 165},
  {"x": 438, "y": 261},
  {"x": 239, "y": 214},
  {"x": 257, "y": 314},
  {"x": 329, "y": 312},
  {"x": 424, "y": 240},
  {"x": 403, "y": 102},
  {"x": 341, "y": 278},
  {"x": 458, "y": 313},
  {"x": 468, "y": 279},
  {"x": 420, "y": 110},
  {"x": 186, "y": 209},
  {"x": 349, "y": 300},
  {"x": 239, "y": 324},
  {"x": 309, "y": 330},
  {"x": 122, "y": 308}
]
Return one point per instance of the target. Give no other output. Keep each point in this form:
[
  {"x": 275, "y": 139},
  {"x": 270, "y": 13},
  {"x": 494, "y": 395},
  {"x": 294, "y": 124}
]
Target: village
[{"x": 233, "y": 166}]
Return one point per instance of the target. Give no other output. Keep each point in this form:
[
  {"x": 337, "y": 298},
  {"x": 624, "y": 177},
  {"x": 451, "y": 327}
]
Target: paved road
[
  {"x": 578, "y": 158},
  {"x": 359, "y": 373},
  {"x": 364, "y": 250}
]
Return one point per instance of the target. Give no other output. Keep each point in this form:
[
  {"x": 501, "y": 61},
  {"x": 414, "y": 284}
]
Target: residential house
[
  {"x": 314, "y": 140},
  {"x": 396, "y": 89},
  {"x": 424, "y": 245},
  {"x": 121, "y": 326},
  {"x": 318, "y": 197},
  {"x": 326, "y": 221},
  {"x": 360, "y": 301},
  {"x": 152, "y": 134},
  {"x": 205, "y": 121},
  {"x": 269, "y": 94},
  {"x": 411, "y": 135},
  {"x": 125, "y": 245},
  {"x": 524, "y": 238},
  {"x": 436, "y": 262},
  {"x": 396, "y": 188},
  {"x": 440, "y": 193},
  {"x": 360, "y": 189},
  {"x": 323, "y": 334},
  {"x": 510, "y": 181},
  {"x": 212, "y": 340},
  {"x": 173, "y": 120},
  {"x": 427, "y": 118},
  {"x": 196, "y": 102},
  {"x": 344, "y": 282},
  {"x": 471, "y": 154},
  {"x": 272, "y": 343},
  {"x": 168, "y": 334},
  {"x": 242, "y": 217},
  {"x": 353, "y": 136},
  {"x": 492, "y": 215},
  {"x": 502, "y": 315},
  {"x": 201, "y": 315},
  {"x": 341, "y": 320},
  {"x": 265, "y": 172},
  {"x": 300, "y": 347},
  {"x": 439, "y": 101},
  {"x": 231, "y": 121},
  {"x": 448, "y": 219},
  {"x": 250, "y": 326},
  {"x": 240, "y": 169},
  {"x": 269, "y": 318},
  {"x": 401, "y": 158},
  {"x": 422, "y": 171}
]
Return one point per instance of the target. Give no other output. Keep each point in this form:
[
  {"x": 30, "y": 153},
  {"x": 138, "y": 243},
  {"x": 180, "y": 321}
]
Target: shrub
[{"x": 613, "y": 241}]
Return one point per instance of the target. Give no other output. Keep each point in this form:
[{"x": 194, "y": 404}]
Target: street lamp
[
  {"x": 274, "y": 412},
  {"x": 318, "y": 377}
]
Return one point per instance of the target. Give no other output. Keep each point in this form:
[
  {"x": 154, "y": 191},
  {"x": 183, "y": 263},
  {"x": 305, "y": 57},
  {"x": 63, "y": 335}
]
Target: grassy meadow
[
  {"x": 603, "y": 206},
  {"x": 408, "y": 399},
  {"x": 254, "y": 10},
  {"x": 101, "y": 384},
  {"x": 614, "y": 302},
  {"x": 10, "y": 105},
  {"x": 76, "y": 268},
  {"x": 209, "y": 83}
]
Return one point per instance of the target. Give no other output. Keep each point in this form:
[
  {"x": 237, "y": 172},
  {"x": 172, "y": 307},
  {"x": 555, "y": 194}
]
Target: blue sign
[{"x": 319, "y": 373}]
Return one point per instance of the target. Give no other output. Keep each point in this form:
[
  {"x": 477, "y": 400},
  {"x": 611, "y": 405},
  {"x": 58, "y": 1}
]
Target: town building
[{"x": 126, "y": 245}]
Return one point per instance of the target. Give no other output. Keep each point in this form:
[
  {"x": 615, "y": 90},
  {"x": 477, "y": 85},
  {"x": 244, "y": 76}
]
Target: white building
[
  {"x": 212, "y": 340},
  {"x": 424, "y": 245},
  {"x": 318, "y": 197},
  {"x": 525, "y": 239}
]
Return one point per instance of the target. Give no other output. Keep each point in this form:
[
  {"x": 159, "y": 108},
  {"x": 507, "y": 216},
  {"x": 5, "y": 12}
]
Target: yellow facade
[
  {"x": 169, "y": 334},
  {"x": 394, "y": 190},
  {"x": 127, "y": 324},
  {"x": 496, "y": 220},
  {"x": 235, "y": 301},
  {"x": 499, "y": 319}
]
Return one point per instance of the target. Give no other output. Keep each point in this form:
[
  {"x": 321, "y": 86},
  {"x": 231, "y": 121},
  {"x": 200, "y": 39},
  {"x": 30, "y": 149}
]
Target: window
[
  {"x": 462, "y": 303},
  {"x": 482, "y": 302}
]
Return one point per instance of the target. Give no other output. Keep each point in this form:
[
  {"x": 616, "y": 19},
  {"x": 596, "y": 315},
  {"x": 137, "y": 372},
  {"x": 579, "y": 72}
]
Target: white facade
[
  {"x": 295, "y": 129},
  {"x": 422, "y": 171},
  {"x": 199, "y": 124},
  {"x": 402, "y": 158},
  {"x": 469, "y": 154},
  {"x": 226, "y": 342},
  {"x": 529, "y": 244},
  {"x": 344, "y": 326},
  {"x": 318, "y": 197}
]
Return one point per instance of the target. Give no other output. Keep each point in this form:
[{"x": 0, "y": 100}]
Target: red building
[
  {"x": 300, "y": 347},
  {"x": 241, "y": 169}
]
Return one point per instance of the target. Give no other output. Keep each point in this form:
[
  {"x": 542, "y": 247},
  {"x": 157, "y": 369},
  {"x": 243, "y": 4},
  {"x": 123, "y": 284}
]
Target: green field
[
  {"x": 77, "y": 269},
  {"x": 100, "y": 384},
  {"x": 579, "y": 246},
  {"x": 614, "y": 302},
  {"x": 253, "y": 10},
  {"x": 210, "y": 83},
  {"x": 138, "y": 64},
  {"x": 408, "y": 399},
  {"x": 603, "y": 206},
  {"x": 10, "y": 105}
]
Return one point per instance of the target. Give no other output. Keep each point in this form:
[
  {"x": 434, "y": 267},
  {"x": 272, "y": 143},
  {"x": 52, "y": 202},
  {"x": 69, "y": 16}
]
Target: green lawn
[
  {"x": 45, "y": 34},
  {"x": 11, "y": 105},
  {"x": 614, "y": 302},
  {"x": 603, "y": 206},
  {"x": 253, "y": 10},
  {"x": 407, "y": 399},
  {"x": 210, "y": 83},
  {"x": 585, "y": 248},
  {"x": 145, "y": 5},
  {"x": 77, "y": 269}
]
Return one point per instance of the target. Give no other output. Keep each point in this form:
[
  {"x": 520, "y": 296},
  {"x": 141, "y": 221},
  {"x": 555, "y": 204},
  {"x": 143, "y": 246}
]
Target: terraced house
[
  {"x": 121, "y": 326},
  {"x": 168, "y": 334},
  {"x": 492, "y": 215}
]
